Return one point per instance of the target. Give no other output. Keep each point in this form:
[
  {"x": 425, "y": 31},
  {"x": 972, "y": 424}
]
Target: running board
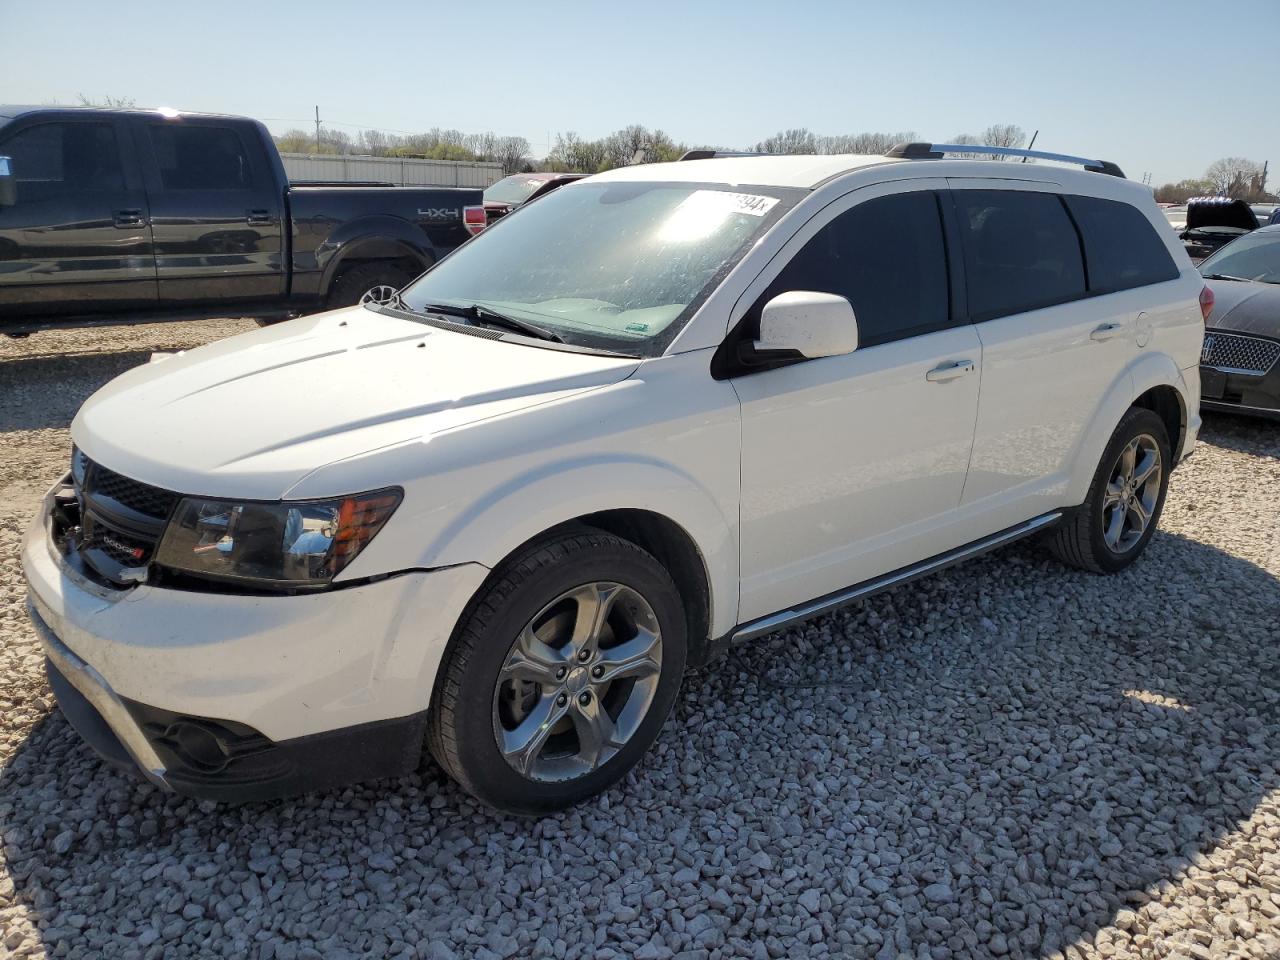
[{"x": 814, "y": 608}]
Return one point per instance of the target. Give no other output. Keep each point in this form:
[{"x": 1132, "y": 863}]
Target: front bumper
[
  {"x": 1233, "y": 392},
  {"x": 232, "y": 697}
]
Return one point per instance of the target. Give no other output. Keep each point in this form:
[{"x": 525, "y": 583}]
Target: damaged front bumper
[{"x": 240, "y": 697}]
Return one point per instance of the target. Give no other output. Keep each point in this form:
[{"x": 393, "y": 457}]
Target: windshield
[
  {"x": 1255, "y": 256},
  {"x": 515, "y": 189},
  {"x": 619, "y": 266}
]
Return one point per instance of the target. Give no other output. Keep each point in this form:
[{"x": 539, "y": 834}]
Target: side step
[{"x": 814, "y": 608}]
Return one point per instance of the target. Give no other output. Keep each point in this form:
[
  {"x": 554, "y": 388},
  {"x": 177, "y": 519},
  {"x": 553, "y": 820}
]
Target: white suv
[{"x": 661, "y": 410}]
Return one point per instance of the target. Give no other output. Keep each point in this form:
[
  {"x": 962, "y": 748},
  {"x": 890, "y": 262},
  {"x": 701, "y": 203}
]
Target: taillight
[
  {"x": 473, "y": 219},
  {"x": 1206, "y": 303}
]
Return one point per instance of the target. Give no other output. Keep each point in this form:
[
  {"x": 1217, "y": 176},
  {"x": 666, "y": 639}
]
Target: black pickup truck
[{"x": 125, "y": 214}]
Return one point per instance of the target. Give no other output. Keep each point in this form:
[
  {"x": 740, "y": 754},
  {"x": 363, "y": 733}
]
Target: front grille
[
  {"x": 1236, "y": 353},
  {"x": 121, "y": 520},
  {"x": 142, "y": 497},
  {"x": 125, "y": 550}
]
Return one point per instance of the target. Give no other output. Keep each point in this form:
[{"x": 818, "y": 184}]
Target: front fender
[
  {"x": 490, "y": 527},
  {"x": 1148, "y": 370}
]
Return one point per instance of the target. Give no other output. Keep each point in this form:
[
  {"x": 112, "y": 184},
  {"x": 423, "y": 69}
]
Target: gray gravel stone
[{"x": 1010, "y": 759}]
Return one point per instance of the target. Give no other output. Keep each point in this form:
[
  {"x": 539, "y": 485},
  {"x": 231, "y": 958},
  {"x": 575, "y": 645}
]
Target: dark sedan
[{"x": 1238, "y": 366}]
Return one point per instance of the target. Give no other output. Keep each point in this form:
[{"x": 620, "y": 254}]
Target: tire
[
  {"x": 476, "y": 702},
  {"x": 354, "y": 283},
  {"x": 1082, "y": 539}
]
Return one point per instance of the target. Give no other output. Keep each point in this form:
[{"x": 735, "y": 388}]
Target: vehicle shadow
[
  {"x": 1252, "y": 435},
  {"x": 46, "y": 391},
  {"x": 1000, "y": 759}
]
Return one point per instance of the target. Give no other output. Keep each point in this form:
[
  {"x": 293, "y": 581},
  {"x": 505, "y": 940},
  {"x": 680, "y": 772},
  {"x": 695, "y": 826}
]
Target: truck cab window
[
  {"x": 54, "y": 160},
  {"x": 200, "y": 157}
]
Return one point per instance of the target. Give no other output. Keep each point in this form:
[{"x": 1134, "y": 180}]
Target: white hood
[{"x": 252, "y": 415}]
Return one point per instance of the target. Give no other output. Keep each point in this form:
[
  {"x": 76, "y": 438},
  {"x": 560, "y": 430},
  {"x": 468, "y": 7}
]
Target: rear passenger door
[
  {"x": 1050, "y": 351},
  {"x": 76, "y": 240},
  {"x": 216, "y": 211}
]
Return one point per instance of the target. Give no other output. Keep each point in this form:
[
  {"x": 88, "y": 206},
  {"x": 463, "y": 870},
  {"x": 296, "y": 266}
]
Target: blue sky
[{"x": 1159, "y": 86}]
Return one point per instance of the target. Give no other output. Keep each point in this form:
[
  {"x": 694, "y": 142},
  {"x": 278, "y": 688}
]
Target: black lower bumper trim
[
  {"x": 229, "y": 762},
  {"x": 87, "y": 721},
  {"x": 369, "y": 751}
]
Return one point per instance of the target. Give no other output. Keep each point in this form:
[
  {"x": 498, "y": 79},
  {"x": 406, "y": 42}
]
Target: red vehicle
[{"x": 520, "y": 188}]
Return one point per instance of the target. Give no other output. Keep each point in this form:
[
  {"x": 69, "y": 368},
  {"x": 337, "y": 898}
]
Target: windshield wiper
[
  {"x": 1227, "y": 276},
  {"x": 485, "y": 317}
]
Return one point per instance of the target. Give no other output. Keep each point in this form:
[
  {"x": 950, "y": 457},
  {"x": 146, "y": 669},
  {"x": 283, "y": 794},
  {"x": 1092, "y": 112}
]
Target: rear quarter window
[{"x": 1121, "y": 248}]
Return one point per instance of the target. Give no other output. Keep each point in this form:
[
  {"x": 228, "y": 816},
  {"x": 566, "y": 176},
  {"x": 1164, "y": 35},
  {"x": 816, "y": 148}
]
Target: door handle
[
  {"x": 127, "y": 219},
  {"x": 258, "y": 216},
  {"x": 1106, "y": 331},
  {"x": 951, "y": 370}
]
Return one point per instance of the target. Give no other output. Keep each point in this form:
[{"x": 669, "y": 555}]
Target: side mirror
[
  {"x": 809, "y": 324},
  {"x": 8, "y": 185}
]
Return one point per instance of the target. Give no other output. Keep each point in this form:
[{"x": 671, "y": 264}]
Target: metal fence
[{"x": 402, "y": 172}]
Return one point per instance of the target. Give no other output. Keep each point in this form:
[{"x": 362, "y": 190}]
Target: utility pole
[{"x": 317, "y": 129}]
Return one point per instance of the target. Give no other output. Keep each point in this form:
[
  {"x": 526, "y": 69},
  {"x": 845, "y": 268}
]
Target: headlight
[
  {"x": 305, "y": 543},
  {"x": 77, "y": 465}
]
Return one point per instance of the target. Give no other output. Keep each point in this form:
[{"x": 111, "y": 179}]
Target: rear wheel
[
  {"x": 562, "y": 674},
  {"x": 1118, "y": 518},
  {"x": 373, "y": 282}
]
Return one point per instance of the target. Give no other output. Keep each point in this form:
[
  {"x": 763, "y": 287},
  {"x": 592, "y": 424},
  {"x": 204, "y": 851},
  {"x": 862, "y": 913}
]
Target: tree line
[
  {"x": 435, "y": 144},
  {"x": 571, "y": 153},
  {"x": 1235, "y": 177}
]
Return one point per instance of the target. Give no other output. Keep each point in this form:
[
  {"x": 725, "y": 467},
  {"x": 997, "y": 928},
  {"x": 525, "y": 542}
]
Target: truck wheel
[
  {"x": 1118, "y": 517},
  {"x": 373, "y": 282},
  {"x": 561, "y": 675}
]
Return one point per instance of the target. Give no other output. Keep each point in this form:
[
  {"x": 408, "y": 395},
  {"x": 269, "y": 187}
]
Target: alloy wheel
[
  {"x": 380, "y": 294},
  {"x": 1131, "y": 495},
  {"x": 578, "y": 682}
]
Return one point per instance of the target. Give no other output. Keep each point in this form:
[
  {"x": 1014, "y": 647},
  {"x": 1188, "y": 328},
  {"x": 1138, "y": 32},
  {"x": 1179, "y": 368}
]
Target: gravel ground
[{"x": 1009, "y": 759}]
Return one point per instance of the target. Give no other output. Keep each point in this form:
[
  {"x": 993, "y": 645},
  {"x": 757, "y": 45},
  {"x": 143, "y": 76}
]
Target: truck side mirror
[{"x": 8, "y": 184}]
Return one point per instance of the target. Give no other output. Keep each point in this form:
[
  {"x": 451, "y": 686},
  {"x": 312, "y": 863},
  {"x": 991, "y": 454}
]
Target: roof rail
[
  {"x": 936, "y": 151},
  {"x": 711, "y": 154}
]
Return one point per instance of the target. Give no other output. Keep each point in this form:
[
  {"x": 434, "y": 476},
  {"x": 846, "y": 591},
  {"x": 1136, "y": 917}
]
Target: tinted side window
[
  {"x": 1120, "y": 247},
  {"x": 200, "y": 157},
  {"x": 887, "y": 257},
  {"x": 1021, "y": 251},
  {"x": 52, "y": 160}
]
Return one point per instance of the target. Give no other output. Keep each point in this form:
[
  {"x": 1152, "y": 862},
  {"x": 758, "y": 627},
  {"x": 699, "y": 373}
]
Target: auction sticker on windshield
[
  {"x": 749, "y": 203},
  {"x": 702, "y": 212}
]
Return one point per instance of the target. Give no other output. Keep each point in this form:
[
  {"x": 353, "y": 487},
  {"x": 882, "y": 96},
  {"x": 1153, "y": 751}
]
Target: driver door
[{"x": 854, "y": 466}]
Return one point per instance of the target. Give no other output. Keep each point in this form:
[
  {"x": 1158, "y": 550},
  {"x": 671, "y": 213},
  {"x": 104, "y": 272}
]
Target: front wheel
[
  {"x": 1113, "y": 526},
  {"x": 562, "y": 674}
]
